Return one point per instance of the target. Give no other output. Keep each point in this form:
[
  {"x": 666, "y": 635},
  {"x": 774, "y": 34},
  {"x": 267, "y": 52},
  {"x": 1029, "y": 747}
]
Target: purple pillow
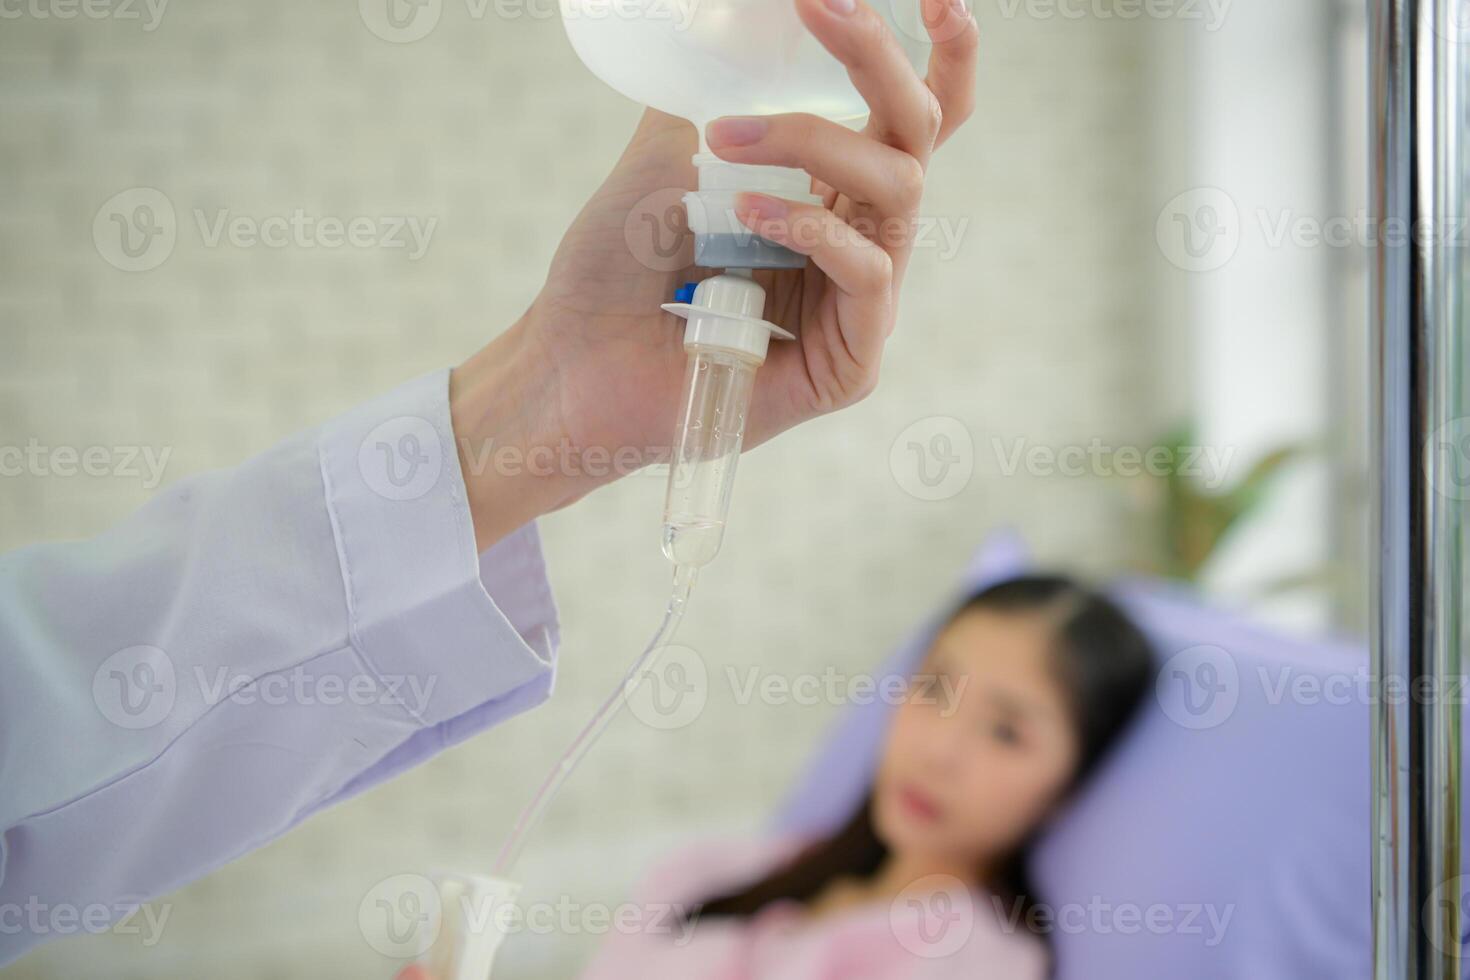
[{"x": 1228, "y": 834}]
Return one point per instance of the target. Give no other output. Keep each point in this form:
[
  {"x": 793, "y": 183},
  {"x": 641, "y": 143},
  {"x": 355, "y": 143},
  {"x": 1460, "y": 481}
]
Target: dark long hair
[{"x": 1104, "y": 665}]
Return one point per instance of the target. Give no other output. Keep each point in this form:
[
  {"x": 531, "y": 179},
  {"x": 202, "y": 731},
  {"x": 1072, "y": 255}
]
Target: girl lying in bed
[{"x": 1022, "y": 692}]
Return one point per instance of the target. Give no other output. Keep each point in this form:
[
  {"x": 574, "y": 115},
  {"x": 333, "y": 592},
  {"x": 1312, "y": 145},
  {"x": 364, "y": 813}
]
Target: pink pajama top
[{"x": 934, "y": 936}]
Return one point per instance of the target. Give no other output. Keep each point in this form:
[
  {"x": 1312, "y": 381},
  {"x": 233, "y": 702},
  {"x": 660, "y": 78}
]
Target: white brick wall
[{"x": 491, "y": 127}]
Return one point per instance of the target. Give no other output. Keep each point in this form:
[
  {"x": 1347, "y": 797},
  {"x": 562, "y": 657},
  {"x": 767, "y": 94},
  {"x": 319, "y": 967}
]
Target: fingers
[
  {"x": 867, "y": 171},
  {"x": 952, "y": 61},
  {"x": 861, "y": 271},
  {"x": 905, "y": 113}
]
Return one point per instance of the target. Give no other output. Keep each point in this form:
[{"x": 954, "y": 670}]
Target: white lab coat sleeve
[{"x": 251, "y": 646}]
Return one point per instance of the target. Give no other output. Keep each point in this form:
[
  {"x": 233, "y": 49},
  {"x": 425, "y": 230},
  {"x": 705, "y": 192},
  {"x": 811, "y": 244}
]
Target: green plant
[{"x": 1196, "y": 518}]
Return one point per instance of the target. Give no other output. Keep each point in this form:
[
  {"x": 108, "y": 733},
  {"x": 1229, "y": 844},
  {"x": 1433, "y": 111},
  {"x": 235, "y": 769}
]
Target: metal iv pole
[{"x": 1419, "y": 49}]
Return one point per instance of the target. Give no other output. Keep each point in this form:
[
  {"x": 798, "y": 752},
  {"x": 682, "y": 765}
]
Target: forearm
[{"x": 517, "y": 458}]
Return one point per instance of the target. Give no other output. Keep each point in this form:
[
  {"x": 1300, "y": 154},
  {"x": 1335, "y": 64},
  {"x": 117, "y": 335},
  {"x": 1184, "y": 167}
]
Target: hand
[{"x": 591, "y": 374}]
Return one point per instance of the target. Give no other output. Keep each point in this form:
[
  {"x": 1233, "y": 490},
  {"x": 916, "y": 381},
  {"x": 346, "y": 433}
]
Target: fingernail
[
  {"x": 958, "y": 6},
  {"x": 735, "y": 131},
  {"x": 759, "y": 207},
  {"x": 843, "y": 7}
]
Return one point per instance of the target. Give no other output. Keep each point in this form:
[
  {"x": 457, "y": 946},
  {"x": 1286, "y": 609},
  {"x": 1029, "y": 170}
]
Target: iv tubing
[{"x": 684, "y": 576}]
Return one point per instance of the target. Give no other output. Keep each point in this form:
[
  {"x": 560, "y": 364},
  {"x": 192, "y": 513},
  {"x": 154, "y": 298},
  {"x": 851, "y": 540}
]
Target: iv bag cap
[{"x": 721, "y": 240}]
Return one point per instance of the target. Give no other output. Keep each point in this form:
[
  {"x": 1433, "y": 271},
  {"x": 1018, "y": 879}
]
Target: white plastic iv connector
[
  {"x": 470, "y": 915},
  {"x": 726, "y": 339},
  {"x": 721, "y": 240},
  {"x": 725, "y": 314}
]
